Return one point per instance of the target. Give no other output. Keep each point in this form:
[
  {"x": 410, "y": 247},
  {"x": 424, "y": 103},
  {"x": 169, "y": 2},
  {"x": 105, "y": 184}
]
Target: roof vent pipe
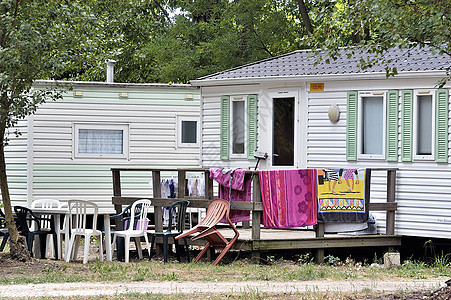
[{"x": 110, "y": 70}]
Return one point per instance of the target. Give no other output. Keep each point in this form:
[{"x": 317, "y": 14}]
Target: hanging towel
[
  {"x": 343, "y": 195},
  {"x": 229, "y": 177},
  {"x": 241, "y": 190},
  {"x": 289, "y": 197}
]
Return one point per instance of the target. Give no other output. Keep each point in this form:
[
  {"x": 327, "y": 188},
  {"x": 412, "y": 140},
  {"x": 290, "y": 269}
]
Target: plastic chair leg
[
  {"x": 177, "y": 249},
  {"x": 43, "y": 245},
  {"x": 30, "y": 239},
  {"x": 69, "y": 254},
  {"x": 203, "y": 251},
  {"x": 120, "y": 248},
  {"x": 5, "y": 239},
  {"x": 147, "y": 243},
  {"x": 127, "y": 248},
  {"x": 165, "y": 248}
]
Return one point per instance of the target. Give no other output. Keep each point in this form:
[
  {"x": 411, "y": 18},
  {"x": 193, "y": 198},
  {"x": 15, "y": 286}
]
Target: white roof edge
[
  {"x": 111, "y": 84},
  {"x": 329, "y": 77}
]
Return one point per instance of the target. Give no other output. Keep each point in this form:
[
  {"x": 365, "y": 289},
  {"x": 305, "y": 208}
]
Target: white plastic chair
[
  {"x": 136, "y": 229},
  {"x": 49, "y": 204},
  {"x": 78, "y": 210}
]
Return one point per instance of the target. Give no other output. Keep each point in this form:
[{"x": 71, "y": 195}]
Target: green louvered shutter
[
  {"x": 441, "y": 125},
  {"x": 251, "y": 125},
  {"x": 392, "y": 125},
  {"x": 351, "y": 126},
  {"x": 225, "y": 127},
  {"x": 406, "y": 125}
]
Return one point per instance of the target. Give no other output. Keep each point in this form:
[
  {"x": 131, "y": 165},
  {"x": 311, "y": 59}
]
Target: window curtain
[{"x": 100, "y": 141}]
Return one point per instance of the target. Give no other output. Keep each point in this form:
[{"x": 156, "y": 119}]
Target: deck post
[
  {"x": 117, "y": 192},
  {"x": 391, "y": 194},
  {"x": 157, "y": 210},
  {"x": 181, "y": 177},
  {"x": 319, "y": 232},
  {"x": 208, "y": 185},
  {"x": 391, "y": 198},
  {"x": 256, "y": 215}
]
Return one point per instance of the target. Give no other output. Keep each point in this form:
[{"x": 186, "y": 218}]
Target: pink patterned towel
[
  {"x": 241, "y": 190},
  {"x": 222, "y": 176},
  {"x": 289, "y": 197}
]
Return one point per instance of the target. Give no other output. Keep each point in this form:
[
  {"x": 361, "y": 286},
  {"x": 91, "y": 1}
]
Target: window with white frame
[
  {"x": 100, "y": 140},
  {"x": 238, "y": 128},
  {"x": 188, "y": 131},
  {"x": 371, "y": 125},
  {"x": 424, "y": 124}
]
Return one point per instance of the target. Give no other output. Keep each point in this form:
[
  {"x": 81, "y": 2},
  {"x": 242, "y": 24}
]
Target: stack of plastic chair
[
  {"x": 136, "y": 228},
  {"x": 179, "y": 208},
  {"x": 78, "y": 225},
  {"x": 207, "y": 229},
  {"x": 49, "y": 204},
  {"x": 3, "y": 230},
  {"x": 30, "y": 225}
]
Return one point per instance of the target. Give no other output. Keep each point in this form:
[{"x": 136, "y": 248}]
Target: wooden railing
[{"x": 255, "y": 206}]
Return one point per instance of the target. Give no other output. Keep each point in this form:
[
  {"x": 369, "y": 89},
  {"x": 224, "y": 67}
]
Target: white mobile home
[
  {"x": 334, "y": 115},
  {"x": 68, "y": 147}
]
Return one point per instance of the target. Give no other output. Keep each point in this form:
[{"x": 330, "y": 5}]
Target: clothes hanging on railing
[
  {"x": 289, "y": 197},
  {"x": 168, "y": 190},
  {"x": 196, "y": 187},
  {"x": 234, "y": 185},
  {"x": 345, "y": 196}
]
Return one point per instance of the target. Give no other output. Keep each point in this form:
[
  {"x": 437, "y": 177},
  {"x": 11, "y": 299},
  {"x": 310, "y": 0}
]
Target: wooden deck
[
  {"x": 280, "y": 239},
  {"x": 252, "y": 236}
]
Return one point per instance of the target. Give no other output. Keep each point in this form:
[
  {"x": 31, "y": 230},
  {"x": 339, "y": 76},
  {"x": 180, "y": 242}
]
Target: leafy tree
[
  {"x": 36, "y": 38},
  {"x": 378, "y": 25},
  {"x": 179, "y": 40}
]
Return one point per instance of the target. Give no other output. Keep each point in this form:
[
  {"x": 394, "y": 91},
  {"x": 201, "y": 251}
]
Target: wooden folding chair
[{"x": 207, "y": 229}]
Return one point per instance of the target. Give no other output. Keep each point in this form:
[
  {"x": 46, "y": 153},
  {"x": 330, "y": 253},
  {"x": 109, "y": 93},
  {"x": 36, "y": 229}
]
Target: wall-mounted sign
[{"x": 316, "y": 86}]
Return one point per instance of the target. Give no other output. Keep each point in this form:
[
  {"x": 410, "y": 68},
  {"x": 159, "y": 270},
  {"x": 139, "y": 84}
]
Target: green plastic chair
[{"x": 179, "y": 208}]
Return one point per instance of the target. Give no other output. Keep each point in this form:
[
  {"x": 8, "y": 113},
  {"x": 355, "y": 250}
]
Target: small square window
[
  {"x": 109, "y": 141},
  {"x": 188, "y": 131}
]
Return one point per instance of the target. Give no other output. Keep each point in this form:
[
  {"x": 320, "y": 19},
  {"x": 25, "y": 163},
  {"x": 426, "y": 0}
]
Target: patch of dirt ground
[{"x": 354, "y": 290}]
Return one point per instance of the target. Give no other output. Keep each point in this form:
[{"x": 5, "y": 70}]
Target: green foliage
[
  {"x": 331, "y": 260},
  {"x": 378, "y": 25},
  {"x": 176, "y": 41},
  {"x": 305, "y": 258}
]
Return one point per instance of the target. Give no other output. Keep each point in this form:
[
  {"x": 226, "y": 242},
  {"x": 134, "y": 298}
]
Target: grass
[
  {"x": 241, "y": 270},
  {"x": 300, "y": 269}
]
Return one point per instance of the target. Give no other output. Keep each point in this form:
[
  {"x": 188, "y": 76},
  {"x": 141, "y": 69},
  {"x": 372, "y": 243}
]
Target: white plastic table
[{"x": 57, "y": 212}]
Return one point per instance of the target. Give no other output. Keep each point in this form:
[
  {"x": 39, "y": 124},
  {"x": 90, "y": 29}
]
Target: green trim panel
[
  {"x": 441, "y": 125},
  {"x": 251, "y": 125},
  {"x": 351, "y": 125},
  {"x": 392, "y": 125},
  {"x": 225, "y": 127},
  {"x": 406, "y": 125}
]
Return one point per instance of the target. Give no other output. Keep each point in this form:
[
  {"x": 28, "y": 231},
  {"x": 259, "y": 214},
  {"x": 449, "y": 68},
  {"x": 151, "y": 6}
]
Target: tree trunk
[
  {"x": 18, "y": 250},
  {"x": 305, "y": 17}
]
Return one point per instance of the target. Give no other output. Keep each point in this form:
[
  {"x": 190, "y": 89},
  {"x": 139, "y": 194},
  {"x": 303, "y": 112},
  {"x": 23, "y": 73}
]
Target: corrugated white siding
[
  {"x": 151, "y": 115},
  {"x": 423, "y": 191},
  {"x": 16, "y": 164},
  {"x": 423, "y": 187},
  {"x": 210, "y": 127}
]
